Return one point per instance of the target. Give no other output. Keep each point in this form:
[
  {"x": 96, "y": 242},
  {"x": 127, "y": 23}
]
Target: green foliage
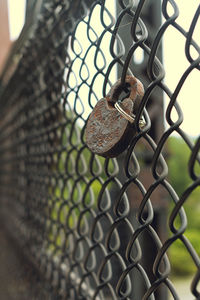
[
  {"x": 179, "y": 155},
  {"x": 181, "y": 262},
  {"x": 178, "y": 163}
]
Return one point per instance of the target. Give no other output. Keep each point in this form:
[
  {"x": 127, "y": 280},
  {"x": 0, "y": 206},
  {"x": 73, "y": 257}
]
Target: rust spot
[{"x": 107, "y": 132}]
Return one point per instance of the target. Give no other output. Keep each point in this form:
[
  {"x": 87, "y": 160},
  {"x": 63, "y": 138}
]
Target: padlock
[{"x": 110, "y": 126}]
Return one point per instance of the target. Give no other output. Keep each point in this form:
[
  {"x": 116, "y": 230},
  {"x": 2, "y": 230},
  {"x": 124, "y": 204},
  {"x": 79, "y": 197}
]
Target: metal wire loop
[
  {"x": 128, "y": 117},
  {"x": 94, "y": 227}
]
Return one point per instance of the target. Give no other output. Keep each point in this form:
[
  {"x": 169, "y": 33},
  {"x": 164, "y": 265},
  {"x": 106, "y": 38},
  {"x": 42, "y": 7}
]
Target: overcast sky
[{"x": 174, "y": 59}]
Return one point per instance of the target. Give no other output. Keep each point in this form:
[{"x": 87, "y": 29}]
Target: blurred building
[{"x": 5, "y": 42}]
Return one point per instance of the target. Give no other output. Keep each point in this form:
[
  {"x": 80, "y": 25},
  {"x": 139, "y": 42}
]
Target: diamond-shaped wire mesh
[{"x": 91, "y": 224}]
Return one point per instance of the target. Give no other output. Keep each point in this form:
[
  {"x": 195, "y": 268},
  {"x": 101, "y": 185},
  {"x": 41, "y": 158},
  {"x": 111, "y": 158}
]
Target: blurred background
[{"x": 12, "y": 17}]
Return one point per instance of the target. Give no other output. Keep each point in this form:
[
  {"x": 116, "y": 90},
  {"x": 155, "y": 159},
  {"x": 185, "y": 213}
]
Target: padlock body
[{"x": 108, "y": 133}]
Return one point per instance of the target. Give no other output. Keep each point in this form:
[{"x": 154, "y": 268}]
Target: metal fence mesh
[{"x": 82, "y": 219}]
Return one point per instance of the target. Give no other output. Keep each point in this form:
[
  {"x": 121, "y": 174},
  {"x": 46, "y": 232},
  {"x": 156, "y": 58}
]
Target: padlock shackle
[{"x": 136, "y": 89}]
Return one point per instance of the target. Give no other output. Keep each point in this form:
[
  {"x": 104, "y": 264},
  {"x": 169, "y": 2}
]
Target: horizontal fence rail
[{"x": 95, "y": 227}]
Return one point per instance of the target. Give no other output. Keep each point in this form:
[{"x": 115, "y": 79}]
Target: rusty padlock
[{"x": 109, "y": 128}]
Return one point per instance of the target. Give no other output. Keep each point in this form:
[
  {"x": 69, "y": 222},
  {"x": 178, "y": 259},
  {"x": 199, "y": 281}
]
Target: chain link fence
[{"x": 94, "y": 227}]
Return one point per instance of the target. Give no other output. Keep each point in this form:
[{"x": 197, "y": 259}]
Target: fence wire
[{"x": 80, "y": 218}]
